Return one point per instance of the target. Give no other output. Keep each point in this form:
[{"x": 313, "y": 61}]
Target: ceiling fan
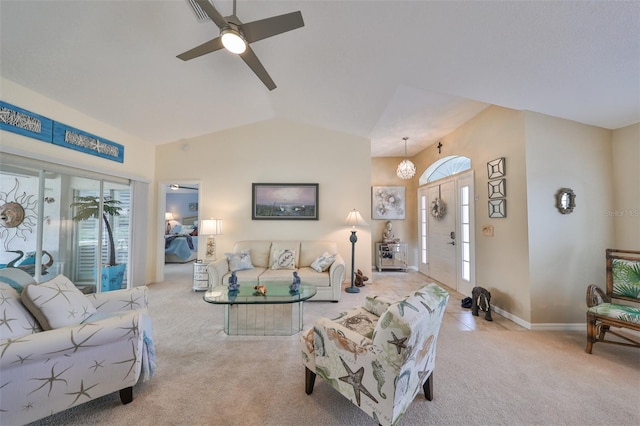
[{"x": 236, "y": 36}]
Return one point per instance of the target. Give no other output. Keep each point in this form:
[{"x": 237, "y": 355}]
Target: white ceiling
[{"x": 377, "y": 69}]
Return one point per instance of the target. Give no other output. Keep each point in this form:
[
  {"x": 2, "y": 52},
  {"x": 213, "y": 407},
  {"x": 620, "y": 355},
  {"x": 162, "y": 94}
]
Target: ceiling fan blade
[
  {"x": 211, "y": 11},
  {"x": 250, "y": 58},
  {"x": 204, "y": 48},
  {"x": 258, "y": 30}
]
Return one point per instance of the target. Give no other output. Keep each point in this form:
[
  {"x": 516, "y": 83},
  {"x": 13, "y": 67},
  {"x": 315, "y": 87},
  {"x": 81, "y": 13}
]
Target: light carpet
[{"x": 486, "y": 373}]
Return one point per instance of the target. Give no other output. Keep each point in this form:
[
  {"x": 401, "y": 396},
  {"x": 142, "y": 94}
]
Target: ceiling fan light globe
[{"x": 233, "y": 41}]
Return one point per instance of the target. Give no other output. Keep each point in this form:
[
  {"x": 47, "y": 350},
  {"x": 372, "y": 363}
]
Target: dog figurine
[
  {"x": 481, "y": 300},
  {"x": 360, "y": 278}
]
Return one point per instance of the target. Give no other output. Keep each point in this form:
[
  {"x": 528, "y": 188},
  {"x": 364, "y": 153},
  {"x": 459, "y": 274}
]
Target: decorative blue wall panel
[
  {"x": 26, "y": 123},
  {"x": 79, "y": 140}
]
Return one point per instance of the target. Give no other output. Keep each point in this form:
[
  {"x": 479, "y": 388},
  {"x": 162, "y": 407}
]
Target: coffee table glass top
[{"x": 276, "y": 293}]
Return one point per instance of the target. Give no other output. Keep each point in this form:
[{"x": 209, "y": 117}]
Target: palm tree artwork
[{"x": 89, "y": 207}]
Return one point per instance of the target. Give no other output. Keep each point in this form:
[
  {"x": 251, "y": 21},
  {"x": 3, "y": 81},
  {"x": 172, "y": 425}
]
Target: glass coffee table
[{"x": 247, "y": 312}]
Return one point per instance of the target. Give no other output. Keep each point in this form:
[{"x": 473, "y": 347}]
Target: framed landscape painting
[{"x": 289, "y": 201}]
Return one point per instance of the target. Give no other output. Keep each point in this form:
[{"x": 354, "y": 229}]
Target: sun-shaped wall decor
[{"x": 17, "y": 215}]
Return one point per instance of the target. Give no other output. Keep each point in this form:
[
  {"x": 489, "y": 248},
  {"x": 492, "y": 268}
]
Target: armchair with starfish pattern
[
  {"x": 60, "y": 348},
  {"x": 380, "y": 355}
]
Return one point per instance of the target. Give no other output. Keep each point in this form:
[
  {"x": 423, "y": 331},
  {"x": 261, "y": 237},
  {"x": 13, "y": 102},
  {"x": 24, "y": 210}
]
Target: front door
[
  {"x": 441, "y": 241},
  {"x": 446, "y": 231}
]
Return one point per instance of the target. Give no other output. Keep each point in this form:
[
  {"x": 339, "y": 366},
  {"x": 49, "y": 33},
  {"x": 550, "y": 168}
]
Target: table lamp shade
[
  {"x": 211, "y": 227},
  {"x": 168, "y": 216}
]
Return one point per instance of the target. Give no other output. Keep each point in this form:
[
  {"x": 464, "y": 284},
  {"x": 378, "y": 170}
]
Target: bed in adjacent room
[{"x": 181, "y": 243}]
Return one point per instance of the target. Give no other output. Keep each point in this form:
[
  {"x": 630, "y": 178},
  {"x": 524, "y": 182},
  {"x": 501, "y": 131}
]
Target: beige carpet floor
[{"x": 487, "y": 373}]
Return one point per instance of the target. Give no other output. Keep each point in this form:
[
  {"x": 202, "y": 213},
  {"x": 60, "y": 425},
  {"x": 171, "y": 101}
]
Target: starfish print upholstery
[
  {"x": 44, "y": 372},
  {"x": 355, "y": 380},
  {"x": 398, "y": 342},
  {"x": 81, "y": 392},
  {"x": 4, "y": 321},
  {"x": 51, "y": 379},
  {"x": 399, "y": 359}
]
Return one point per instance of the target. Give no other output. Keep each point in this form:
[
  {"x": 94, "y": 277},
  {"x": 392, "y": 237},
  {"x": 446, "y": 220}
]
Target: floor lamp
[
  {"x": 354, "y": 219},
  {"x": 211, "y": 227}
]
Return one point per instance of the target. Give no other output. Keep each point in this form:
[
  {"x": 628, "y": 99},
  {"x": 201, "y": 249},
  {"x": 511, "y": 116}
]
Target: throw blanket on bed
[{"x": 170, "y": 238}]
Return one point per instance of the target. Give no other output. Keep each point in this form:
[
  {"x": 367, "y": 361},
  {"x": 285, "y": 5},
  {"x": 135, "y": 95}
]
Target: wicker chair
[{"x": 623, "y": 285}]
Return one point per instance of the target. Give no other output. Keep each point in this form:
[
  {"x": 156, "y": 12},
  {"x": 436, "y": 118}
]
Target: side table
[
  {"x": 200, "y": 276},
  {"x": 391, "y": 256}
]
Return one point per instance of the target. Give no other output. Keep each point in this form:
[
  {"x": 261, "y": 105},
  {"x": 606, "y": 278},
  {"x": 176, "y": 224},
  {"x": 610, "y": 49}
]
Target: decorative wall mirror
[{"x": 565, "y": 200}]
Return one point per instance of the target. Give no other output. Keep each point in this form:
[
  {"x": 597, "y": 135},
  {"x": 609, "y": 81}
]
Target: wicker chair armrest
[{"x": 596, "y": 296}]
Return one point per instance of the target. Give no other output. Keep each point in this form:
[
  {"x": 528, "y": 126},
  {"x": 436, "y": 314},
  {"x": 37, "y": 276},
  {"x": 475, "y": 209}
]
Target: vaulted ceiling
[{"x": 377, "y": 69}]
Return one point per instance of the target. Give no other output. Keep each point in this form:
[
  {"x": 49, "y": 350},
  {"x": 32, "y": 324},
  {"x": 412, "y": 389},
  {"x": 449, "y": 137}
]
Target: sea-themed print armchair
[
  {"x": 623, "y": 287},
  {"x": 380, "y": 355}
]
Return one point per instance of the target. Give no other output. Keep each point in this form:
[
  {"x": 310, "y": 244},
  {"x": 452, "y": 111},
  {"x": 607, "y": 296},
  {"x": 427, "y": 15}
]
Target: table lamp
[
  {"x": 354, "y": 219},
  {"x": 168, "y": 216},
  {"x": 211, "y": 227}
]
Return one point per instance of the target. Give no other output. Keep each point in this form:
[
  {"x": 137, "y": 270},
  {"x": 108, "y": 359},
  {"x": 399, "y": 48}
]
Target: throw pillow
[
  {"x": 16, "y": 321},
  {"x": 57, "y": 303},
  {"x": 239, "y": 261},
  {"x": 283, "y": 259},
  {"x": 323, "y": 262}
]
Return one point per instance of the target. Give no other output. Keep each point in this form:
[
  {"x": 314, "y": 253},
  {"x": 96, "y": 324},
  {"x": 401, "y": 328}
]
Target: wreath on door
[{"x": 438, "y": 208}]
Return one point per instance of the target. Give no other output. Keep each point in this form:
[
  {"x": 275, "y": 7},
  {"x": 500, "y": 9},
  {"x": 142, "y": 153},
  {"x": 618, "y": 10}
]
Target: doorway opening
[{"x": 179, "y": 204}]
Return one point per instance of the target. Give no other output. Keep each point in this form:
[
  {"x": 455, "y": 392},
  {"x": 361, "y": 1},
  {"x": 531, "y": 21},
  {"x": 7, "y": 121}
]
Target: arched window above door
[{"x": 444, "y": 167}]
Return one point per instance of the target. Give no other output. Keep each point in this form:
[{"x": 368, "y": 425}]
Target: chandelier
[{"x": 406, "y": 169}]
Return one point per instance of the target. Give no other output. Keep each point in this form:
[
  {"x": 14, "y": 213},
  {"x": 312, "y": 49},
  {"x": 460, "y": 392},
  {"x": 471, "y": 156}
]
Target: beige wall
[
  {"x": 538, "y": 263},
  {"x": 502, "y": 264},
  {"x": 276, "y": 151},
  {"x": 138, "y": 156},
  {"x": 136, "y": 152},
  {"x": 625, "y": 214},
  {"x": 383, "y": 173},
  {"x": 566, "y": 251}
]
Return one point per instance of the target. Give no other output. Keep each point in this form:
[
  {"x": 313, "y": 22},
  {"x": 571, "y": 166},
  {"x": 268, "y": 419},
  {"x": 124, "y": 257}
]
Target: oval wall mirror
[{"x": 565, "y": 200}]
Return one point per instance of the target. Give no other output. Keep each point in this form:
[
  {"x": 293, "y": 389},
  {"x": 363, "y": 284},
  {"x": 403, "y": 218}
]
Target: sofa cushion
[
  {"x": 260, "y": 251},
  {"x": 616, "y": 311},
  {"x": 322, "y": 263},
  {"x": 310, "y": 250},
  {"x": 282, "y": 259},
  {"x": 245, "y": 276},
  {"x": 16, "y": 278},
  {"x": 311, "y": 277},
  {"x": 280, "y": 276},
  {"x": 626, "y": 278},
  {"x": 15, "y": 320},
  {"x": 239, "y": 261},
  {"x": 294, "y": 246},
  {"x": 57, "y": 303}
]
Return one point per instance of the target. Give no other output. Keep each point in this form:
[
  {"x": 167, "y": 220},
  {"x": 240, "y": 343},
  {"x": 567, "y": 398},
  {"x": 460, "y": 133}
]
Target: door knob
[{"x": 453, "y": 243}]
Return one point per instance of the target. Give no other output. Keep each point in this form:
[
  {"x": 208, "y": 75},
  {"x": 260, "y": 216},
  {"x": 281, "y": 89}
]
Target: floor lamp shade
[
  {"x": 354, "y": 219},
  {"x": 210, "y": 228}
]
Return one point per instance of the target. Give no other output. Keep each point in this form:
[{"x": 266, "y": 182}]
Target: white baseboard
[
  {"x": 510, "y": 316},
  {"x": 551, "y": 326}
]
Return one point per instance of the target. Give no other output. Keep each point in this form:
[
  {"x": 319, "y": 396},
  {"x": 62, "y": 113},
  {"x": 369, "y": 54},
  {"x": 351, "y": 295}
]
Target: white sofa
[
  {"x": 328, "y": 283},
  {"x": 44, "y": 372}
]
